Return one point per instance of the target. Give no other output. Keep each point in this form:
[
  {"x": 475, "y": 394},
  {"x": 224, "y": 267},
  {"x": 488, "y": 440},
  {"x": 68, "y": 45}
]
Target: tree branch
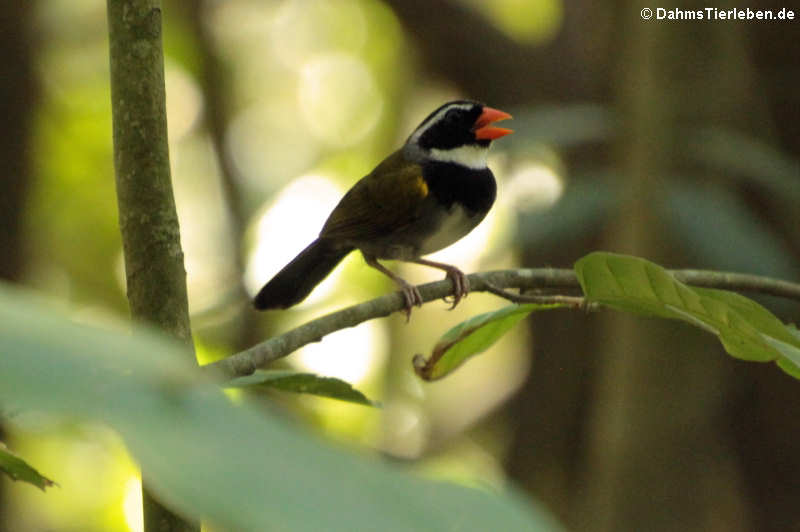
[
  {"x": 156, "y": 279},
  {"x": 246, "y": 362},
  {"x": 575, "y": 302}
]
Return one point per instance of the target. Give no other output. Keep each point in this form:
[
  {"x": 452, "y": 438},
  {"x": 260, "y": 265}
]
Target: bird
[{"x": 423, "y": 197}]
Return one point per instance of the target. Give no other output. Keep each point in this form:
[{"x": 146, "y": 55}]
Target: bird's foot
[
  {"x": 460, "y": 285},
  {"x": 410, "y": 292},
  {"x": 412, "y": 296}
]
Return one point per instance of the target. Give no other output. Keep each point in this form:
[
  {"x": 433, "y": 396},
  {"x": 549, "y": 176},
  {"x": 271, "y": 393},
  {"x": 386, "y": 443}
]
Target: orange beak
[{"x": 483, "y": 126}]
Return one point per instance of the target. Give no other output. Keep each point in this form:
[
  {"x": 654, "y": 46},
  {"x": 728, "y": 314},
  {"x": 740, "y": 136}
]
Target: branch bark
[
  {"x": 156, "y": 279},
  {"x": 246, "y": 362}
]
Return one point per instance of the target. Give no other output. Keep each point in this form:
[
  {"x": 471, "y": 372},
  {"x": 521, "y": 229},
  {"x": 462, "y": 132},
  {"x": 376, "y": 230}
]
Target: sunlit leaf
[
  {"x": 789, "y": 367},
  {"x": 18, "y": 469},
  {"x": 305, "y": 383},
  {"x": 227, "y": 462},
  {"x": 746, "y": 329},
  {"x": 791, "y": 361},
  {"x": 470, "y": 338}
]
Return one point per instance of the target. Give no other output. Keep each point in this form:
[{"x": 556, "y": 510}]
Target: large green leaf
[
  {"x": 305, "y": 383},
  {"x": 470, "y": 338},
  {"x": 746, "y": 329},
  {"x": 791, "y": 367},
  {"x": 18, "y": 469},
  {"x": 227, "y": 462}
]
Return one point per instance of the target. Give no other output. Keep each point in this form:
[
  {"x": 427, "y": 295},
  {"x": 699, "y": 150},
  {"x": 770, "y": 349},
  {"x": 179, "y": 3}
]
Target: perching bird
[{"x": 420, "y": 199}]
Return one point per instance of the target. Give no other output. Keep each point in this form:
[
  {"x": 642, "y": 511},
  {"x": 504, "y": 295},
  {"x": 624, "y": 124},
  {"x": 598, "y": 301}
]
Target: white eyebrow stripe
[{"x": 435, "y": 118}]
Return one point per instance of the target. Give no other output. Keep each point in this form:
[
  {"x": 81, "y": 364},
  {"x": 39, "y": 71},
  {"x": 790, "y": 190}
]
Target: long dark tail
[{"x": 297, "y": 279}]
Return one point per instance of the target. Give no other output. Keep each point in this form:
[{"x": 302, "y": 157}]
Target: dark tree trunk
[{"x": 18, "y": 92}]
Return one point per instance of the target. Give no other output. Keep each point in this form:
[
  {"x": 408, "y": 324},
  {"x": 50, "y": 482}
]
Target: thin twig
[
  {"x": 740, "y": 282},
  {"x": 576, "y": 302},
  {"x": 246, "y": 362}
]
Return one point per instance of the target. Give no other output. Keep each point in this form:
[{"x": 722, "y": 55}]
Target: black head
[{"x": 458, "y": 130}]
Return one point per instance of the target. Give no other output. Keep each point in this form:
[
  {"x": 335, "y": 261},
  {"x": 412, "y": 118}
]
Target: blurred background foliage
[{"x": 677, "y": 141}]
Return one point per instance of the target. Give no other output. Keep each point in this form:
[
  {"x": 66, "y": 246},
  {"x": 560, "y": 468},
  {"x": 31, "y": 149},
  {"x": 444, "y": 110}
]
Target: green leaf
[
  {"x": 225, "y": 461},
  {"x": 793, "y": 330},
  {"x": 746, "y": 329},
  {"x": 470, "y": 338},
  {"x": 789, "y": 367},
  {"x": 791, "y": 361},
  {"x": 307, "y": 383},
  {"x": 18, "y": 469}
]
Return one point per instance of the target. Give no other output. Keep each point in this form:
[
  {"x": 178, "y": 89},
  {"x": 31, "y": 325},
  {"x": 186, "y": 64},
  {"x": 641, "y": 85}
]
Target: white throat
[{"x": 471, "y": 156}]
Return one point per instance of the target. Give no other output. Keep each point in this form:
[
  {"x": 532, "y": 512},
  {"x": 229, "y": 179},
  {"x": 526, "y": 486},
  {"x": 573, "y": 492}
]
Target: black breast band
[{"x": 452, "y": 183}]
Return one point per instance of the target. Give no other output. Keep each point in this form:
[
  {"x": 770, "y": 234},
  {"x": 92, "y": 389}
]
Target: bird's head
[{"x": 458, "y": 132}]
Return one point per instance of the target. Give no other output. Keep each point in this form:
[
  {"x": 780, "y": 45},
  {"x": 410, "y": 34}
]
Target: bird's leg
[
  {"x": 410, "y": 292},
  {"x": 460, "y": 281}
]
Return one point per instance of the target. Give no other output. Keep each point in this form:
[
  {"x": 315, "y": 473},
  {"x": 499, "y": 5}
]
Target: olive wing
[{"x": 383, "y": 202}]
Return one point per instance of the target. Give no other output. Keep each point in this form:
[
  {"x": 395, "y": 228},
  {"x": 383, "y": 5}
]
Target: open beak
[{"x": 483, "y": 126}]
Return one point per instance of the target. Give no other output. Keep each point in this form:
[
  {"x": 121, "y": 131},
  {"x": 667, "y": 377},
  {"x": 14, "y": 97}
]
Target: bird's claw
[
  {"x": 460, "y": 286},
  {"x": 412, "y": 297}
]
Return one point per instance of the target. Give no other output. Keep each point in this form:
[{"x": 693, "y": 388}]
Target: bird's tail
[{"x": 297, "y": 279}]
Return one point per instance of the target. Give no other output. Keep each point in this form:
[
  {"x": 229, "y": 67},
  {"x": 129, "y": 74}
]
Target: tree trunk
[{"x": 156, "y": 279}]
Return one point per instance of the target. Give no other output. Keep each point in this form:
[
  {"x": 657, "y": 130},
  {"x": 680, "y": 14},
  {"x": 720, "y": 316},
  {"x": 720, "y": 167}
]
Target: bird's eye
[{"x": 451, "y": 115}]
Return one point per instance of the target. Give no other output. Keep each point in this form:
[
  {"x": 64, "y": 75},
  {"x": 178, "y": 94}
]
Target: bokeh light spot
[
  {"x": 184, "y": 101},
  {"x": 524, "y": 20},
  {"x": 292, "y": 222},
  {"x": 132, "y": 505},
  {"x": 339, "y": 99},
  {"x": 269, "y": 145},
  {"x": 533, "y": 185},
  {"x": 304, "y": 28},
  {"x": 350, "y": 354}
]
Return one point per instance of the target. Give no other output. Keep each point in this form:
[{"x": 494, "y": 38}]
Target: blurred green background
[{"x": 675, "y": 140}]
